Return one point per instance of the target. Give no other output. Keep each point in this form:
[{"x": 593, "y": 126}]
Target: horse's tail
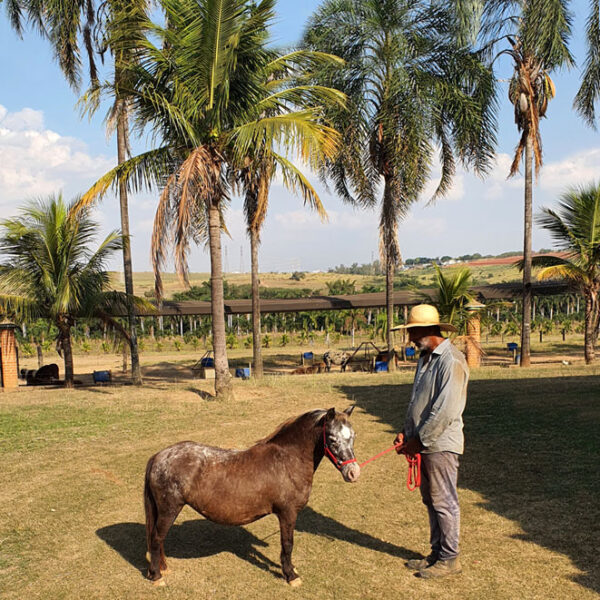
[{"x": 149, "y": 505}]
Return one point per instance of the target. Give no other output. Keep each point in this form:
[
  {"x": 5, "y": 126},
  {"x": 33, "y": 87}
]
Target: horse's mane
[{"x": 309, "y": 419}]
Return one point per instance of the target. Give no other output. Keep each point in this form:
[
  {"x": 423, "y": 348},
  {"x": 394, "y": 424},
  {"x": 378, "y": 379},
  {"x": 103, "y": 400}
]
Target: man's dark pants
[{"x": 439, "y": 472}]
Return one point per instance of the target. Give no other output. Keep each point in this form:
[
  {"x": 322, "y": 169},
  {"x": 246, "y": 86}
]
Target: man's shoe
[
  {"x": 441, "y": 568},
  {"x": 416, "y": 564}
]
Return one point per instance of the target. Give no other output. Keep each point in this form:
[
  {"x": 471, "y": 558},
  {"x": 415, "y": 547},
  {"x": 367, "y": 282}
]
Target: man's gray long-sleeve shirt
[{"x": 438, "y": 399}]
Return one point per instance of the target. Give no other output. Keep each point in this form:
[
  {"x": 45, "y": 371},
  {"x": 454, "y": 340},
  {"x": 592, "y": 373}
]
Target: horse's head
[{"x": 338, "y": 442}]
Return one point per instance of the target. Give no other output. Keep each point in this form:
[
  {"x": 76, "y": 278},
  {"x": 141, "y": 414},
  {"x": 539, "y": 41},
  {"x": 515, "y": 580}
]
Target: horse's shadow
[
  {"x": 201, "y": 538},
  {"x": 191, "y": 539}
]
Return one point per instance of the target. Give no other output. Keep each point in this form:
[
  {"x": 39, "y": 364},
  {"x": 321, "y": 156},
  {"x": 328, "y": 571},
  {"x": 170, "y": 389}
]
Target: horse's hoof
[
  {"x": 295, "y": 582},
  {"x": 159, "y": 582}
]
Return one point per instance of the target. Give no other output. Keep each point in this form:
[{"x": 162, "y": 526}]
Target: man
[{"x": 434, "y": 427}]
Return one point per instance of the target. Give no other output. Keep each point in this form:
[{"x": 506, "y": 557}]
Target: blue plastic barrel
[
  {"x": 244, "y": 373},
  {"x": 380, "y": 365},
  {"x": 101, "y": 376}
]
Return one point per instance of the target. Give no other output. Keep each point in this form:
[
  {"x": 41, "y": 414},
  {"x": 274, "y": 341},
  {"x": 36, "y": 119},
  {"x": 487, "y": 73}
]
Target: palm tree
[
  {"x": 124, "y": 25},
  {"x": 452, "y": 297},
  {"x": 66, "y": 27},
  {"x": 412, "y": 91},
  {"x": 537, "y": 34},
  {"x": 575, "y": 228},
  {"x": 49, "y": 271},
  {"x": 203, "y": 94},
  {"x": 284, "y": 78}
]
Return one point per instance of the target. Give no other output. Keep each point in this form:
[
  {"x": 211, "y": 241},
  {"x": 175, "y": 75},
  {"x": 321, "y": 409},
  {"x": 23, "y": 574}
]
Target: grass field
[
  {"x": 71, "y": 515},
  {"x": 482, "y": 275}
]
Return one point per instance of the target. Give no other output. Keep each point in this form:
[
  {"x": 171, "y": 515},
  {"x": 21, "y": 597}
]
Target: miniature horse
[{"x": 236, "y": 487}]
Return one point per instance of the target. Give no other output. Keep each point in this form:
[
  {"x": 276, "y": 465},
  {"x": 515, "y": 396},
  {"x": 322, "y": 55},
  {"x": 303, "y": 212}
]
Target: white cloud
[
  {"x": 24, "y": 120},
  {"x": 575, "y": 170},
  {"x": 35, "y": 161}
]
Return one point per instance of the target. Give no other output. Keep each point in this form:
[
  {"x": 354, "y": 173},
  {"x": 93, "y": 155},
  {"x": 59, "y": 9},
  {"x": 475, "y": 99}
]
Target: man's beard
[{"x": 422, "y": 344}]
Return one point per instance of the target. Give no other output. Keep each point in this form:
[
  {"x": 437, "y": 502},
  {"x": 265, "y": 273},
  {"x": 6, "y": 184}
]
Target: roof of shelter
[{"x": 500, "y": 291}]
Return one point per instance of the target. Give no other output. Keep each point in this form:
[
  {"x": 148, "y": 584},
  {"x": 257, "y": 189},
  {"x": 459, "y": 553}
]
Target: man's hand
[
  {"x": 399, "y": 443},
  {"x": 412, "y": 446}
]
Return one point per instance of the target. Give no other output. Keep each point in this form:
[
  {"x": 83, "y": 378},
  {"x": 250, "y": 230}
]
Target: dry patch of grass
[{"x": 71, "y": 514}]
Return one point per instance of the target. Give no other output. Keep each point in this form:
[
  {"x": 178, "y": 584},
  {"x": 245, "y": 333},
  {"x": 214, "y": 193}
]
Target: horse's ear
[
  {"x": 330, "y": 414},
  {"x": 348, "y": 411}
]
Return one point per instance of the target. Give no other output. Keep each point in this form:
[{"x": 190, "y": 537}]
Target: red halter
[{"x": 332, "y": 457}]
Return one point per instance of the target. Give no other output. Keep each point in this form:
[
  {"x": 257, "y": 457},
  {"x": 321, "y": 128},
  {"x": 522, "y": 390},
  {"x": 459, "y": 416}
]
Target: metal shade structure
[{"x": 501, "y": 291}]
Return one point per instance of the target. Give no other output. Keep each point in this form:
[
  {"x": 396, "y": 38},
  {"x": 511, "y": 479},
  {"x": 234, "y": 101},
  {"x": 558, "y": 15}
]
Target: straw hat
[{"x": 425, "y": 315}]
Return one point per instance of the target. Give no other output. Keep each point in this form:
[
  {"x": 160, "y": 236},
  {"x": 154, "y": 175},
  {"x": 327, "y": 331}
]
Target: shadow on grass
[
  {"x": 191, "y": 539},
  {"x": 201, "y": 538},
  {"x": 165, "y": 370},
  {"x": 532, "y": 450},
  {"x": 201, "y": 393}
]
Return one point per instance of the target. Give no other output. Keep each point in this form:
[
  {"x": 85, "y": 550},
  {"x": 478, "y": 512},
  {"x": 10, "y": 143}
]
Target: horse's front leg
[{"x": 287, "y": 523}]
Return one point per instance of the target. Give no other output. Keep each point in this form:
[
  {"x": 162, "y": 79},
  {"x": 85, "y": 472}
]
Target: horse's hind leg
[
  {"x": 158, "y": 562},
  {"x": 287, "y": 523}
]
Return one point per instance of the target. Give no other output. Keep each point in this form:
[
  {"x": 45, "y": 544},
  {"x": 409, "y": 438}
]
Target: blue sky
[{"x": 45, "y": 147}]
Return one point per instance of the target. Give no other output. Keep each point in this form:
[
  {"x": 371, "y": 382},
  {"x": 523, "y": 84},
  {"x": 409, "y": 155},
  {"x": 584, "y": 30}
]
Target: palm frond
[
  {"x": 561, "y": 271},
  {"x": 589, "y": 92}
]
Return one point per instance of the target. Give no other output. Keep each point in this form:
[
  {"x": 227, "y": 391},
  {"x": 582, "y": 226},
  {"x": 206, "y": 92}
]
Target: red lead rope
[{"x": 413, "y": 478}]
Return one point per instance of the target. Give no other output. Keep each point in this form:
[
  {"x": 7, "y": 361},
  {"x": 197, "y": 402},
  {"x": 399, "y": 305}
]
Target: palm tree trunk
[
  {"x": 65, "y": 341},
  {"x": 591, "y": 326},
  {"x": 122, "y": 125},
  {"x": 389, "y": 302},
  {"x": 223, "y": 383},
  {"x": 388, "y": 225},
  {"x": 526, "y": 316},
  {"x": 257, "y": 367}
]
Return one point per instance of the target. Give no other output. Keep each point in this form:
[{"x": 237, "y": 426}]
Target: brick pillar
[
  {"x": 473, "y": 340},
  {"x": 8, "y": 356},
  {"x": 474, "y": 334}
]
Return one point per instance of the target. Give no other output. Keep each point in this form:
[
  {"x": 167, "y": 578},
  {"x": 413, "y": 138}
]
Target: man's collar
[
  {"x": 439, "y": 349},
  {"x": 442, "y": 347}
]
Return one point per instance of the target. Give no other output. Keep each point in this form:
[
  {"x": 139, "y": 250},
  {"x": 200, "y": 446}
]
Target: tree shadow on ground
[
  {"x": 170, "y": 371},
  {"x": 201, "y": 393},
  {"x": 532, "y": 450},
  {"x": 200, "y": 538}
]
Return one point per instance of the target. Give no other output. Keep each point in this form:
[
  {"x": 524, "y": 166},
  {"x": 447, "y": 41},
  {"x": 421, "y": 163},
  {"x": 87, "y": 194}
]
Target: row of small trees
[{"x": 327, "y": 327}]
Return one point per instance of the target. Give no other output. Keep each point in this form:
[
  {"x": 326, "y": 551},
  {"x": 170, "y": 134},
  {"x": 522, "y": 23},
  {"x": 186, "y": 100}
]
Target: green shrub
[
  {"x": 26, "y": 349},
  {"x": 231, "y": 341}
]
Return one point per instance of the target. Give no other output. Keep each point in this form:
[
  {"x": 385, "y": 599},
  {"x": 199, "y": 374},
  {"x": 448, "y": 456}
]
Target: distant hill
[{"x": 485, "y": 270}]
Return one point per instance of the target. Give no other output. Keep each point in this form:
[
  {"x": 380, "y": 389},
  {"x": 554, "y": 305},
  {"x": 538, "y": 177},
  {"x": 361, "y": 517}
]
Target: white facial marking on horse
[{"x": 346, "y": 432}]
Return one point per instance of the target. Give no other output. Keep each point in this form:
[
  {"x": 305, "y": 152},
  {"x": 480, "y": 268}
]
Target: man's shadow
[{"x": 201, "y": 538}]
